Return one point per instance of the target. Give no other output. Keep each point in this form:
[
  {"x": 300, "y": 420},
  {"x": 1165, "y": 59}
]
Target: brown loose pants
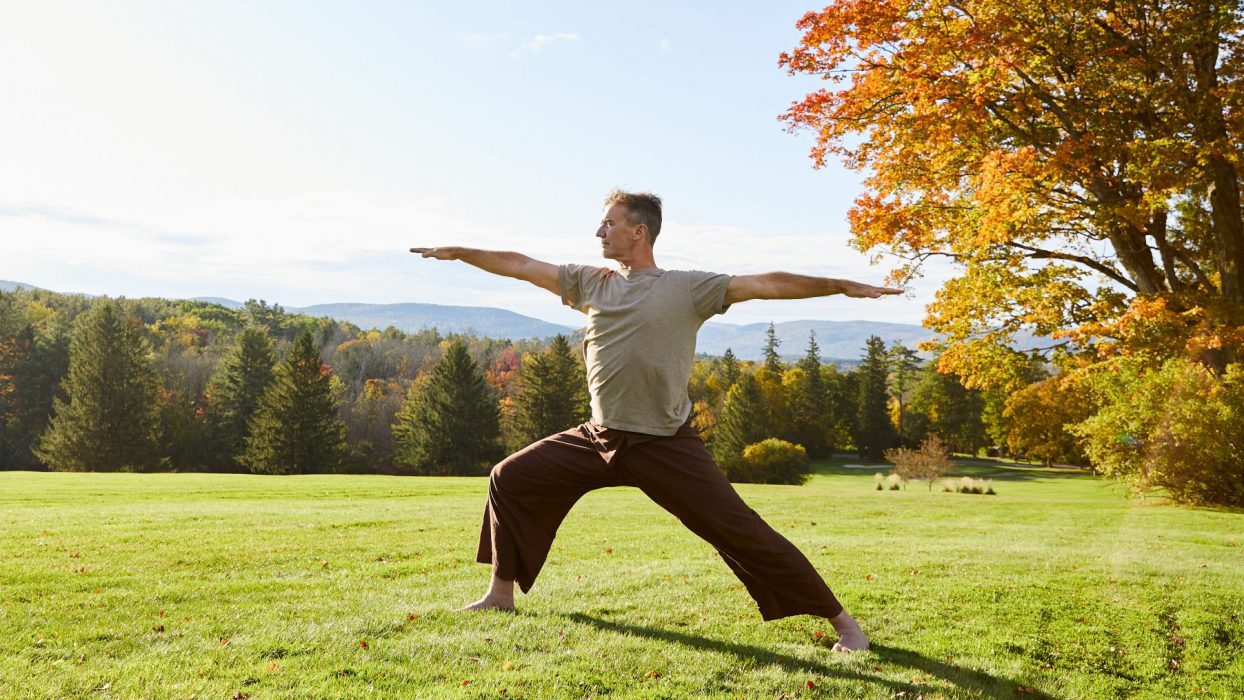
[{"x": 530, "y": 493}]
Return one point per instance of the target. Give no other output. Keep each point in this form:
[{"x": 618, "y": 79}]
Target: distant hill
[
  {"x": 480, "y": 320},
  {"x": 841, "y": 341},
  {"x": 7, "y": 286},
  {"x": 837, "y": 339},
  {"x": 227, "y": 303}
]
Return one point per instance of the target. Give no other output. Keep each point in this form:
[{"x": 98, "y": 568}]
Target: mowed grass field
[{"x": 237, "y": 586}]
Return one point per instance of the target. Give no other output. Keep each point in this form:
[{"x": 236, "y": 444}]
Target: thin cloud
[{"x": 538, "y": 42}]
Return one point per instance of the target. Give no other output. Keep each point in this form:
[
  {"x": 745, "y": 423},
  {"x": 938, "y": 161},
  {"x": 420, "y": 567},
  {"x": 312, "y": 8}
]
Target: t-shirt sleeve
[
  {"x": 578, "y": 283},
  {"x": 708, "y": 293}
]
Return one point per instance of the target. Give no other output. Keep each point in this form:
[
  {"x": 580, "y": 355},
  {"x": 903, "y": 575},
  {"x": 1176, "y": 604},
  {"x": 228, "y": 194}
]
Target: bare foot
[
  {"x": 500, "y": 596},
  {"x": 850, "y": 636},
  {"x": 491, "y": 603}
]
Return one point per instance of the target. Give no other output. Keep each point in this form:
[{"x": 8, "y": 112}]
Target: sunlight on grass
[{"x": 173, "y": 585}]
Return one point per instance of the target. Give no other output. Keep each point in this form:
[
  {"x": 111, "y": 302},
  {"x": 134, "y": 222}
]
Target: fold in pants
[{"x": 530, "y": 493}]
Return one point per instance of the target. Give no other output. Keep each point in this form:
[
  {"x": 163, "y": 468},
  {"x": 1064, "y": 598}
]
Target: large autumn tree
[{"x": 1079, "y": 159}]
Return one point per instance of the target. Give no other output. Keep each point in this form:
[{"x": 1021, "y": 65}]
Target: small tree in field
[
  {"x": 929, "y": 462},
  {"x": 296, "y": 428}
]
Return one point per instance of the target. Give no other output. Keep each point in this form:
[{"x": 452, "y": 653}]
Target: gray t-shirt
[{"x": 640, "y": 341}]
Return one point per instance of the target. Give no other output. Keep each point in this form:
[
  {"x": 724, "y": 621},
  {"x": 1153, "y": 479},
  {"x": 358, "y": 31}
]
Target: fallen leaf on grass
[
  {"x": 224, "y": 641},
  {"x": 817, "y": 634},
  {"x": 362, "y": 644},
  {"x": 652, "y": 674},
  {"x": 869, "y": 577},
  {"x": 810, "y": 684},
  {"x": 412, "y": 617}
]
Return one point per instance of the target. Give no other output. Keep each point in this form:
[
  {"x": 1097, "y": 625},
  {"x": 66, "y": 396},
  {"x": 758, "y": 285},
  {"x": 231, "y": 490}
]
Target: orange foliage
[{"x": 1078, "y": 161}]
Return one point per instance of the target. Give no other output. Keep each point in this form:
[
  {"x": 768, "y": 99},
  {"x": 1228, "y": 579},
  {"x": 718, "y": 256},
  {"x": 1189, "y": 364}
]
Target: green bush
[
  {"x": 770, "y": 461},
  {"x": 1178, "y": 430}
]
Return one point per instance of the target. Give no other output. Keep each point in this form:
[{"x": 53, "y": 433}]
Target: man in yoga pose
[{"x": 639, "y": 349}]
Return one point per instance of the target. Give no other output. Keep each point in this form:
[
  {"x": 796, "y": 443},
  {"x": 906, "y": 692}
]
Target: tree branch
[{"x": 1042, "y": 254}]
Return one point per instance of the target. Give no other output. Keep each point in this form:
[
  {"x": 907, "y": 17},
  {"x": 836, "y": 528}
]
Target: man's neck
[{"x": 646, "y": 262}]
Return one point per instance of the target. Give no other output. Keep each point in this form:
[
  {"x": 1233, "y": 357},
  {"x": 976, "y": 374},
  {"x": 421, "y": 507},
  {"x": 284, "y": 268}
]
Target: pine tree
[
  {"x": 950, "y": 411},
  {"x": 904, "y": 363},
  {"x": 773, "y": 361},
  {"x": 108, "y": 420},
  {"x": 448, "y": 424},
  {"x": 730, "y": 369},
  {"x": 743, "y": 420},
  {"x": 243, "y": 376},
  {"x": 874, "y": 433},
  {"x": 813, "y": 417},
  {"x": 31, "y": 372},
  {"x": 296, "y": 428},
  {"x": 552, "y": 394}
]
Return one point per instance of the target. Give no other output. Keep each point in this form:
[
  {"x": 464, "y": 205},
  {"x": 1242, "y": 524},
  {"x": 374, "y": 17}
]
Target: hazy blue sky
[{"x": 293, "y": 151}]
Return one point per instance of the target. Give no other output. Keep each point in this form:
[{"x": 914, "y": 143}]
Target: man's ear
[{"x": 641, "y": 232}]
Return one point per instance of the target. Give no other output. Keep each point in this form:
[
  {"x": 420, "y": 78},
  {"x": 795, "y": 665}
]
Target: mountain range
[{"x": 838, "y": 340}]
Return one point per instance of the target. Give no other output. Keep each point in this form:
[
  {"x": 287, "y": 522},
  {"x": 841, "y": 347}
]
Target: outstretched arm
[
  {"x": 506, "y": 264},
  {"x": 784, "y": 285}
]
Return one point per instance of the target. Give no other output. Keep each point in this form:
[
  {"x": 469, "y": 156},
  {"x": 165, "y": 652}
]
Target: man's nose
[{"x": 600, "y": 232}]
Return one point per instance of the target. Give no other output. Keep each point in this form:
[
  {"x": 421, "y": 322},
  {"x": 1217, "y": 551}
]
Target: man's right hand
[
  {"x": 507, "y": 264},
  {"x": 442, "y": 253}
]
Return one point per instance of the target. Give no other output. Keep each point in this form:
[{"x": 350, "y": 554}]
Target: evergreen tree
[
  {"x": 950, "y": 411},
  {"x": 743, "y": 420},
  {"x": 31, "y": 372},
  {"x": 108, "y": 420},
  {"x": 844, "y": 393},
  {"x": 773, "y": 361},
  {"x": 552, "y": 394},
  {"x": 904, "y": 363},
  {"x": 812, "y": 414},
  {"x": 448, "y": 424},
  {"x": 296, "y": 428},
  {"x": 730, "y": 369},
  {"x": 236, "y": 390},
  {"x": 874, "y": 432}
]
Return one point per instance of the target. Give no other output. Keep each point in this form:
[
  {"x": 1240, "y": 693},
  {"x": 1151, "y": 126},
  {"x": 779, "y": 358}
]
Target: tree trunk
[{"x": 1222, "y": 177}]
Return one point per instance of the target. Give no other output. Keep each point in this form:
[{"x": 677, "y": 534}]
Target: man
[{"x": 639, "y": 349}]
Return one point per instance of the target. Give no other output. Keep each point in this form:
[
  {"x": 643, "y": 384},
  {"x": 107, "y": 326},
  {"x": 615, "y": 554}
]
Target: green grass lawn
[{"x": 223, "y": 586}]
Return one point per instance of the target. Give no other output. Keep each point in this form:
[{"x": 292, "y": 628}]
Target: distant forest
[{"x": 154, "y": 384}]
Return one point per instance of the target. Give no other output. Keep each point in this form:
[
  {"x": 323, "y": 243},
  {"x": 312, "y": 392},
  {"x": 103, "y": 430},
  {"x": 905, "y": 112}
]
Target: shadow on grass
[{"x": 954, "y": 675}]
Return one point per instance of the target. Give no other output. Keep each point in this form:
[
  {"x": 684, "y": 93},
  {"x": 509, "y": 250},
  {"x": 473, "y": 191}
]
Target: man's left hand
[{"x": 867, "y": 291}]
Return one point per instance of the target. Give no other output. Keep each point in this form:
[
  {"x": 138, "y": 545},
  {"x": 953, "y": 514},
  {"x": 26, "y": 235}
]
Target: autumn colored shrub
[
  {"x": 1178, "y": 429},
  {"x": 929, "y": 462},
  {"x": 770, "y": 461}
]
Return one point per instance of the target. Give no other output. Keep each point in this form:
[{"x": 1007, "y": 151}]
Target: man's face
[{"x": 617, "y": 235}]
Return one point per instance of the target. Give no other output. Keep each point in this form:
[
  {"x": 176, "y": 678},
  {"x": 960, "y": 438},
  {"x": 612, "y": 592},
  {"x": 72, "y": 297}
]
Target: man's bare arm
[
  {"x": 506, "y": 264},
  {"x": 785, "y": 285}
]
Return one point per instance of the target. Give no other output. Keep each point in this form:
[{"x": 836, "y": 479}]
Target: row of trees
[
  {"x": 104, "y": 384},
  {"x": 144, "y": 384}
]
